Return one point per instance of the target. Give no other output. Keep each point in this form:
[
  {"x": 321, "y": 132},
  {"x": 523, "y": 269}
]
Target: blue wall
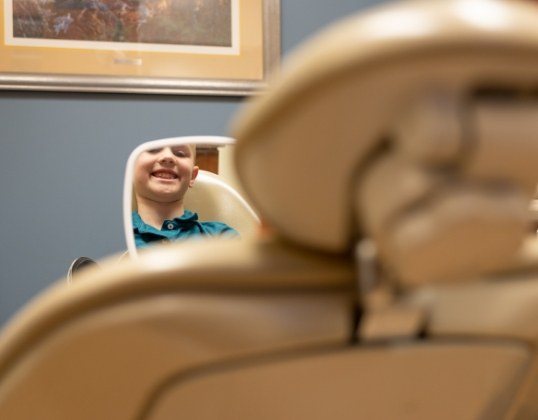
[{"x": 62, "y": 159}]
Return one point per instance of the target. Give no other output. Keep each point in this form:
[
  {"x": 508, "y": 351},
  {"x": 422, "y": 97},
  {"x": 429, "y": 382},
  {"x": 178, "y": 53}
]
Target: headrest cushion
[{"x": 302, "y": 145}]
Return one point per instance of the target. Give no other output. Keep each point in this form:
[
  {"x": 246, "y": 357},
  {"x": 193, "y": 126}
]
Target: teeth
[{"x": 164, "y": 175}]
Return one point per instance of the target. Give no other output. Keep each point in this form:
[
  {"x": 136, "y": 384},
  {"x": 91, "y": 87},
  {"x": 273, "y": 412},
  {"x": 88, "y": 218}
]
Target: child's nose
[{"x": 166, "y": 156}]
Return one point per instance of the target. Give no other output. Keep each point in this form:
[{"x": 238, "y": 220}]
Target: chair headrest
[
  {"x": 214, "y": 199},
  {"x": 303, "y": 145}
]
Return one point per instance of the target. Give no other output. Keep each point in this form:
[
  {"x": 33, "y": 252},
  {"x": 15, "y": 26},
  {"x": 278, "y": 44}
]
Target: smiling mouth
[{"x": 167, "y": 175}]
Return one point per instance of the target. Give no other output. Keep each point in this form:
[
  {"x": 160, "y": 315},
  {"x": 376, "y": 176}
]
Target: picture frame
[{"x": 122, "y": 46}]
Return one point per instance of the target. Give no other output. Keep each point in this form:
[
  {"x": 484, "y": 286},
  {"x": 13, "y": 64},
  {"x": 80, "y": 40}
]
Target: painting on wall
[{"x": 139, "y": 46}]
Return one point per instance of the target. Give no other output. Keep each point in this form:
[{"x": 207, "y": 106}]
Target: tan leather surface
[
  {"x": 457, "y": 183},
  {"x": 456, "y": 234},
  {"x": 378, "y": 204},
  {"x": 104, "y": 363},
  {"x": 234, "y": 266},
  {"x": 138, "y": 319},
  {"x": 215, "y": 200},
  {"x": 342, "y": 92},
  {"x": 408, "y": 382},
  {"x": 502, "y": 307},
  {"x": 506, "y": 142}
]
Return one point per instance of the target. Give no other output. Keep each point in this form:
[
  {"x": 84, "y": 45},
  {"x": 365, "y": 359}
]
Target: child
[{"x": 161, "y": 180}]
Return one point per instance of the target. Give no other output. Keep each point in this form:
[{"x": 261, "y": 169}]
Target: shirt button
[{"x": 170, "y": 226}]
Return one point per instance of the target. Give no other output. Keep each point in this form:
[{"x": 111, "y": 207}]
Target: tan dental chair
[
  {"x": 388, "y": 126},
  {"x": 214, "y": 199}
]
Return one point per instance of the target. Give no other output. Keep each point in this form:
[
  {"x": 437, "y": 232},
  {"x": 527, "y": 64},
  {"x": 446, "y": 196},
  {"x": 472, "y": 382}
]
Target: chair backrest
[
  {"x": 215, "y": 200},
  {"x": 423, "y": 122},
  {"x": 285, "y": 327},
  {"x": 103, "y": 347}
]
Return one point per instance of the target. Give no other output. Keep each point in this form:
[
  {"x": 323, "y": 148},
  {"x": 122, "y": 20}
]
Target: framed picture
[{"x": 214, "y": 47}]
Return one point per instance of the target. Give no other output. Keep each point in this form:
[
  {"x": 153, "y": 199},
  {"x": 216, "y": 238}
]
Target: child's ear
[{"x": 193, "y": 175}]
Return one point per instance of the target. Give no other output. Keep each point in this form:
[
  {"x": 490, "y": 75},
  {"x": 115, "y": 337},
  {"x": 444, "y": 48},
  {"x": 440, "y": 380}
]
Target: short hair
[{"x": 193, "y": 152}]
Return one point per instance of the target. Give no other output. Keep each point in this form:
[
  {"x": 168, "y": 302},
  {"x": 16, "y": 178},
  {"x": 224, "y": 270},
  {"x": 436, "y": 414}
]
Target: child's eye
[
  {"x": 180, "y": 153},
  {"x": 154, "y": 151}
]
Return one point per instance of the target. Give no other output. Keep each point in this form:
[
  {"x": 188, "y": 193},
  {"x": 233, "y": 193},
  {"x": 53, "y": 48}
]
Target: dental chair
[
  {"x": 213, "y": 199},
  {"x": 400, "y": 282}
]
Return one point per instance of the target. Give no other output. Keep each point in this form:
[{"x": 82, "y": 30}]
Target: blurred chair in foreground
[{"x": 408, "y": 133}]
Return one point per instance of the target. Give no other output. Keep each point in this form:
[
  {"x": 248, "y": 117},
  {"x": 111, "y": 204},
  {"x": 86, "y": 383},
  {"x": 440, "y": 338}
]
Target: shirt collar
[
  {"x": 187, "y": 217},
  {"x": 139, "y": 226}
]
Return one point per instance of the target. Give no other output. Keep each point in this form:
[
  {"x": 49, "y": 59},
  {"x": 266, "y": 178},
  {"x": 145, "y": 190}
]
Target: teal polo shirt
[{"x": 184, "y": 227}]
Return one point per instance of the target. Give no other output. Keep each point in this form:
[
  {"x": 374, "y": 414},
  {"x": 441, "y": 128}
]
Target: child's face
[{"x": 164, "y": 175}]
